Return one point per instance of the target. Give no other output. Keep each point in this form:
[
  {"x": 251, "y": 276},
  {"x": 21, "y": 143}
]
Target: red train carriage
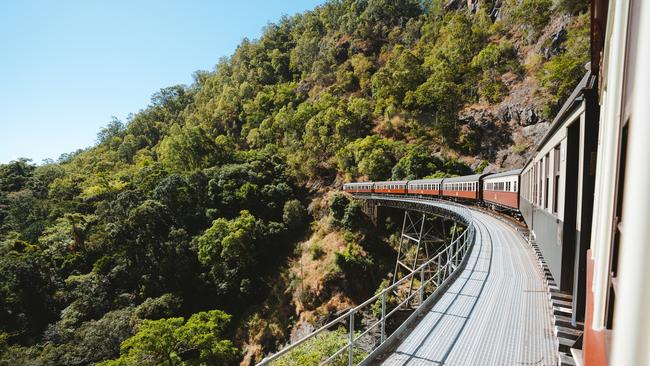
[
  {"x": 465, "y": 188},
  {"x": 392, "y": 187},
  {"x": 502, "y": 189},
  {"x": 358, "y": 187},
  {"x": 428, "y": 187}
]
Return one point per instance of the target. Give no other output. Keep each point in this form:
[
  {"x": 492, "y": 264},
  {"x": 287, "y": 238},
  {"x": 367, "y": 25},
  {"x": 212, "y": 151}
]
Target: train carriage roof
[
  {"x": 465, "y": 178},
  {"x": 426, "y": 181},
  {"x": 393, "y": 182},
  {"x": 358, "y": 183},
  {"x": 504, "y": 174}
]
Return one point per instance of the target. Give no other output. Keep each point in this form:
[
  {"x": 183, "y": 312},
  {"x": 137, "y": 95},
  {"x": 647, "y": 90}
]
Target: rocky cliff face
[{"x": 508, "y": 131}]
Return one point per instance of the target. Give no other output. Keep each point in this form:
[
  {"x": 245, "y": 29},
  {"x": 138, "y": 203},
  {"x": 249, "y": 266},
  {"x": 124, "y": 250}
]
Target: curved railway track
[{"x": 496, "y": 313}]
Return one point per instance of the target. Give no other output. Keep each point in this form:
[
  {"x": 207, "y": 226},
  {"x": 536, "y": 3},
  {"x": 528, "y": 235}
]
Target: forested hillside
[{"x": 205, "y": 228}]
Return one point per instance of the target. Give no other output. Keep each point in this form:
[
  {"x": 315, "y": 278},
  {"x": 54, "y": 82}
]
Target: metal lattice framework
[{"x": 420, "y": 239}]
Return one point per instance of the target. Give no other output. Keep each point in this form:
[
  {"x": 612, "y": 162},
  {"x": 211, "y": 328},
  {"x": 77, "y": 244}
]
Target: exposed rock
[
  {"x": 453, "y": 5},
  {"x": 300, "y": 330},
  {"x": 495, "y": 11},
  {"x": 550, "y": 41},
  {"x": 513, "y": 161},
  {"x": 490, "y": 133},
  {"x": 535, "y": 132},
  {"x": 521, "y": 115},
  {"x": 473, "y": 5},
  {"x": 491, "y": 168},
  {"x": 555, "y": 47}
]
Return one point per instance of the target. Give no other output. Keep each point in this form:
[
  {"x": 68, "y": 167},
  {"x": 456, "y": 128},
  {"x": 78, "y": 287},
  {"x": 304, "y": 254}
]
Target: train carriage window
[
  {"x": 547, "y": 175},
  {"x": 540, "y": 182},
  {"x": 556, "y": 177},
  {"x": 617, "y": 222}
]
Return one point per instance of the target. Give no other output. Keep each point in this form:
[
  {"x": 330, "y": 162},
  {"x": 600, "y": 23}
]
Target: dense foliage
[{"x": 195, "y": 203}]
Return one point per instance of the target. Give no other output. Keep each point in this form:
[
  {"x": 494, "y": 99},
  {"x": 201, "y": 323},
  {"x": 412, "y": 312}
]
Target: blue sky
[{"x": 66, "y": 67}]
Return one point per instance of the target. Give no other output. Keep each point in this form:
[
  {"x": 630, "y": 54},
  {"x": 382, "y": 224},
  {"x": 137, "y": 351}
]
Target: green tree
[
  {"x": 191, "y": 148},
  {"x": 174, "y": 341},
  {"x": 372, "y": 156},
  {"x": 294, "y": 214},
  {"x": 417, "y": 163},
  {"x": 533, "y": 15},
  {"x": 228, "y": 249},
  {"x": 337, "y": 205}
]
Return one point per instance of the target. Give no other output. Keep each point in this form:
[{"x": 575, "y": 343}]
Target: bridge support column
[
  {"x": 371, "y": 209},
  {"x": 417, "y": 244}
]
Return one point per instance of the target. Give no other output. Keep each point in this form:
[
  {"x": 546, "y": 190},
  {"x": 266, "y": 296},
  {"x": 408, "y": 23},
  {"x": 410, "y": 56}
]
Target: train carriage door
[{"x": 569, "y": 234}]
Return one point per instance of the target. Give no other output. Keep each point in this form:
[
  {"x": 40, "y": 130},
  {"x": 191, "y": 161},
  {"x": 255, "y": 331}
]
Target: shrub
[
  {"x": 484, "y": 163},
  {"x": 353, "y": 258},
  {"x": 353, "y": 216},
  {"x": 533, "y": 15},
  {"x": 493, "y": 61},
  {"x": 294, "y": 214},
  {"x": 562, "y": 73},
  {"x": 391, "y": 300},
  {"x": 316, "y": 251},
  {"x": 317, "y": 349},
  {"x": 338, "y": 203}
]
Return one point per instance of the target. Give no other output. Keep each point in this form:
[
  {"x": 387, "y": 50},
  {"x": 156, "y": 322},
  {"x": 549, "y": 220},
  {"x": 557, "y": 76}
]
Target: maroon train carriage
[
  {"x": 466, "y": 188},
  {"x": 391, "y": 187},
  {"x": 502, "y": 189},
  {"x": 428, "y": 187},
  {"x": 358, "y": 187}
]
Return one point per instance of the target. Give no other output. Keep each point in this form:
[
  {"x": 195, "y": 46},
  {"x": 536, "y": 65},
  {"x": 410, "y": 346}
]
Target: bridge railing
[{"x": 352, "y": 346}]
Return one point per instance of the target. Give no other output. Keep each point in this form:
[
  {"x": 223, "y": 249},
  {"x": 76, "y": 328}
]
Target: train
[
  {"x": 583, "y": 194},
  {"x": 499, "y": 192}
]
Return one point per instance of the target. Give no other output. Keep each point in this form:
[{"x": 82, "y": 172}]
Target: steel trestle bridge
[{"x": 476, "y": 299}]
